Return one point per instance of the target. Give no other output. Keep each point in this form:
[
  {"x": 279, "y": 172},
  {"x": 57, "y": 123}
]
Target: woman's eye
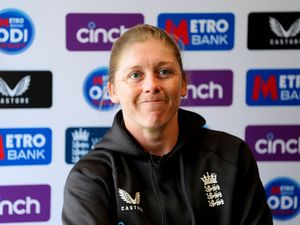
[
  {"x": 135, "y": 75},
  {"x": 165, "y": 72}
]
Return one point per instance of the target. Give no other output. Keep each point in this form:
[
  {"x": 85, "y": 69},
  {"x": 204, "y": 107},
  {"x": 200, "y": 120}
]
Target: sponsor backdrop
[{"x": 243, "y": 61}]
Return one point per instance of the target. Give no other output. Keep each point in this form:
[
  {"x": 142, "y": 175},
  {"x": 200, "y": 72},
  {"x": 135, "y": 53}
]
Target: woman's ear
[
  {"x": 184, "y": 86},
  {"x": 112, "y": 93}
]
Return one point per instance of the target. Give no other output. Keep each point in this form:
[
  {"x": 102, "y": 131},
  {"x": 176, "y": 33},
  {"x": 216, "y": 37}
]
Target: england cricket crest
[{"x": 212, "y": 189}]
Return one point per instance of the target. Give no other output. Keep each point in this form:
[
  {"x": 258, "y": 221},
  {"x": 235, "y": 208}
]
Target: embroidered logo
[
  {"x": 133, "y": 202},
  {"x": 212, "y": 189}
]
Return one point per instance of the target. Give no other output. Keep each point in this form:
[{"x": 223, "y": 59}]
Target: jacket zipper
[{"x": 156, "y": 192}]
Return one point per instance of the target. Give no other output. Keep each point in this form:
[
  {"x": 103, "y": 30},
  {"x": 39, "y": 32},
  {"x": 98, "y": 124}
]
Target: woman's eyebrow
[{"x": 162, "y": 63}]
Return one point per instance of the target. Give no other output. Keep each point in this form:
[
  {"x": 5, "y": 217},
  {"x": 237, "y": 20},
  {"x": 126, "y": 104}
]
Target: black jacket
[{"x": 209, "y": 178}]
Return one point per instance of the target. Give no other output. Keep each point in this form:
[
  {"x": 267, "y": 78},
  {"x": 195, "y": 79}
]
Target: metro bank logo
[
  {"x": 273, "y": 87},
  {"x": 25, "y": 146},
  {"x": 93, "y": 32},
  {"x": 26, "y": 203},
  {"x": 203, "y": 31},
  {"x": 209, "y": 88},
  {"x": 274, "y": 143}
]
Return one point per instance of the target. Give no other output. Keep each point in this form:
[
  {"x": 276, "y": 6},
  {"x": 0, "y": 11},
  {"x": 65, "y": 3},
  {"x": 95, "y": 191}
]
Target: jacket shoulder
[{"x": 228, "y": 147}]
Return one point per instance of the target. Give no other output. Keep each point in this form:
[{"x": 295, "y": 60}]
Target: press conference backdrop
[{"x": 243, "y": 61}]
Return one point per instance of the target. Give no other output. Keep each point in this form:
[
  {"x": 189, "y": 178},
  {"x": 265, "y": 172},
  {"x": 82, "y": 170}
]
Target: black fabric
[{"x": 119, "y": 183}]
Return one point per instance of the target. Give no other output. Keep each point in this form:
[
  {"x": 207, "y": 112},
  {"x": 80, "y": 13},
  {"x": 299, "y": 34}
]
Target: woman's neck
[{"x": 157, "y": 141}]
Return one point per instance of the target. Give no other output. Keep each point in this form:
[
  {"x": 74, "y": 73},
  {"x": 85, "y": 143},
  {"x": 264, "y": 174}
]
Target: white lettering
[
  {"x": 286, "y": 41},
  {"x": 283, "y": 202},
  {"x": 289, "y": 95},
  {"x": 209, "y": 26},
  {"x": 25, "y": 140},
  {"x": 209, "y": 39},
  {"x": 13, "y": 35},
  {"x": 206, "y": 91},
  {"x": 20, "y": 206},
  {"x": 16, "y": 20},
  {"x": 85, "y": 35},
  {"x": 131, "y": 208},
  {"x": 14, "y": 100},
  {"x": 289, "y": 81},
  {"x": 28, "y": 154},
  {"x": 270, "y": 146},
  {"x": 96, "y": 93}
]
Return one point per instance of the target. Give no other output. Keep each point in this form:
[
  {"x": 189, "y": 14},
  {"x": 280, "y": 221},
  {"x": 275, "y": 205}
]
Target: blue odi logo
[
  {"x": 16, "y": 31},
  {"x": 25, "y": 146},
  {"x": 283, "y": 198},
  {"x": 95, "y": 92}
]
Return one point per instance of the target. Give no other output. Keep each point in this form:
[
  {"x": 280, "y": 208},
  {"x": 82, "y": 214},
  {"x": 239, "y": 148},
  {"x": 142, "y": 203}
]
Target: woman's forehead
[
  {"x": 150, "y": 46},
  {"x": 147, "y": 52}
]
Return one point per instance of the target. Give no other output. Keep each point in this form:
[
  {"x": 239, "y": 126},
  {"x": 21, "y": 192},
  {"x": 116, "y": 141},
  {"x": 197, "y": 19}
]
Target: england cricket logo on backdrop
[
  {"x": 212, "y": 189},
  {"x": 80, "y": 140}
]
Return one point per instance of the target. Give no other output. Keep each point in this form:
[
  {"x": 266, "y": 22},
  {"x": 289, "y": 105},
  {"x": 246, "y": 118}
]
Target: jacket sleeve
[
  {"x": 88, "y": 198},
  {"x": 251, "y": 207}
]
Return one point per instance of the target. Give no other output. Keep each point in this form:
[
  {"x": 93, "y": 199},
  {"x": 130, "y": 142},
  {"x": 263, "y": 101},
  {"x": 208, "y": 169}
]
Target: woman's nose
[{"x": 151, "y": 83}]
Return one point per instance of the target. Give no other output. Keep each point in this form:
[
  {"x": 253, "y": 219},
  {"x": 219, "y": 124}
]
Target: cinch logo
[
  {"x": 25, "y": 89},
  {"x": 200, "y": 31},
  {"x": 273, "y": 87},
  {"x": 274, "y": 143},
  {"x": 25, "y": 146},
  {"x": 209, "y": 88},
  {"x": 29, "y": 203},
  {"x": 283, "y": 198},
  {"x": 93, "y": 32},
  {"x": 79, "y": 141},
  {"x": 95, "y": 92},
  {"x": 274, "y": 30},
  {"x": 16, "y": 31}
]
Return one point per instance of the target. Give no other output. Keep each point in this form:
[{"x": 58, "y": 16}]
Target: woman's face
[{"x": 148, "y": 85}]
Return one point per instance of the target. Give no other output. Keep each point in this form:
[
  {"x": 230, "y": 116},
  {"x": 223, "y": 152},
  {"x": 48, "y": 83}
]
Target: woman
[{"x": 157, "y": 164}]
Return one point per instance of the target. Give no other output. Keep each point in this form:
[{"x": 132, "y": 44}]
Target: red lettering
[
  {"x": 180, "y": 31},
  {"x": 16, "y": 46},
  {"x": 97, "y": 80},
  {"x": 268, "y": 88},
  {"x": 275, "y": 190},
  {"x": 4, "y": 22},
  {"x": 1, "y": 148}
]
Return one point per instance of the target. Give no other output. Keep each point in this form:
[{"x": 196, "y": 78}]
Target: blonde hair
[{"x": 137, "y": 34}]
